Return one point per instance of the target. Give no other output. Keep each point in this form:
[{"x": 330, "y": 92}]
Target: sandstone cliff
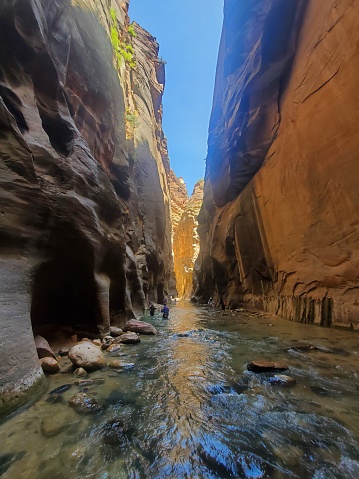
[
  {"x": 84, "y": 225},
  {"x": 179, "y": 198},
  {"x": 279, "y": 226},
  {"x": 186, "y": 243}
]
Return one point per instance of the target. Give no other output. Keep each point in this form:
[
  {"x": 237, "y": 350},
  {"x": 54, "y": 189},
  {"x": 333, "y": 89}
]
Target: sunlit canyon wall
[
  {"x": 85, "y": 230},
  {"x": 186, "y": 243},
  {"x": 279, "y": 225}
]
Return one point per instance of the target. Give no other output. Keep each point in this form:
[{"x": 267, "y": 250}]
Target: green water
[{"x": 188, "y": 408}]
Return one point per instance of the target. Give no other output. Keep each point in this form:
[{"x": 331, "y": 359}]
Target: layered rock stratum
[
  {"x": 186, "y": 243},
  {"x": 85, "y": 209},
  {"x": 279, "y": 225}
]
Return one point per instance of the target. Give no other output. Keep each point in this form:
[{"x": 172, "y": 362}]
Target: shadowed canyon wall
[
  {"x": 279, "y": 224},
  {"x": 85, "y": 230},
  {"x": 186, "y": 243}
]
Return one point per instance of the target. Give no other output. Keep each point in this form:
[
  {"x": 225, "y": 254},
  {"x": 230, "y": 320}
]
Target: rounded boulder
[{"x": 88, "y": 356}]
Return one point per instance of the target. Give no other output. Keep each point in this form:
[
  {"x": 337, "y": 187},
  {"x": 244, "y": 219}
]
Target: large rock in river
[
  {"x": 86, "y": 355},
  {"x": 141, "y": 327}
]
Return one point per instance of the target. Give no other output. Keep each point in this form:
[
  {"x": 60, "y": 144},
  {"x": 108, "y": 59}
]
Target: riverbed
[{"x": 184, "y": 405}]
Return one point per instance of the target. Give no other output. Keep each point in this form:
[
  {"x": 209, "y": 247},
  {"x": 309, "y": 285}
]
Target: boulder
[
  {"x": 86, "y": 355},
  {"x": 128, "y": 338},
  {"x": 49, "y": 365},
  {"x": 114, "y": 331},
  {"x": 43, "y": 348},
  {"x": 141, "y": 327},
  {"x": 266, "y": 366},
  {"x": 97, "y": 342}
]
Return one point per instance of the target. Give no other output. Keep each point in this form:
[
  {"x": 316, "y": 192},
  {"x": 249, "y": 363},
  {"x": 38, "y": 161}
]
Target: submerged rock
[
  {"x": 141, "y": 327},
  {"x": 87, "y": 356},
  {"x": 7, "y": 459},
  {"x": 54, "y": 424},
  {"x": 117, "y": 432},
  {"x": 85, "y": 403},
  {"x": 266, "y": 366},
  {"x": 60, "y": 389},
  {"x": 282, "y": 380},
  {"x": 80, "y": 373}
]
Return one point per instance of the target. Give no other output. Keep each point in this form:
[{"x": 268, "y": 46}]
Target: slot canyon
[{"x": 253, "y": 372}]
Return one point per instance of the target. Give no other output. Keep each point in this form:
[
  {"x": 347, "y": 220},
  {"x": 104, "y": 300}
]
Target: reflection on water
[{"x": 186, "y": 407}]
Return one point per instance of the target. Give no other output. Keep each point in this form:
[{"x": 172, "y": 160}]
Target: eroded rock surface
[
  {"x": 186, "y": 243},
  {"x": 85, "y": 211},
  {"x": 279, "y": 224}
]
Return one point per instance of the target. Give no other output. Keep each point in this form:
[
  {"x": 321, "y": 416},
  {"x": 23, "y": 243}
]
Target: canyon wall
[
  {"x": 279, "y": 224},
  {"x": 186, "y": 243},
  {"x": 85, "y": 230}
]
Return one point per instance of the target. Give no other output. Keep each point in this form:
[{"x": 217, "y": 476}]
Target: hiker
[
  {"x": 152, "y": 309},
  {"x": 165, "y": 310},
  {"x": 210, "y": 302},
  {"x": 222, "y": 304}
]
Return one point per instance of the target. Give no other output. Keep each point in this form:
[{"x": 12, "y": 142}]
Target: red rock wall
[
  {"x": 279, "y": 229},
  {"x": 85, "y": 230}
]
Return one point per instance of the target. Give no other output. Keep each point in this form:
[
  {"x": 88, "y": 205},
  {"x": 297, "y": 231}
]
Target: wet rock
[
  {"x": 87, "y": 356},
  {"x": 114, "y": 331},
  {"x": 117, "y": 432},
  {"x": 64, "y": 352},
  {"x": 54, "y": 424},
  {"x": 282, "y": 380},
  {"x": 97, "y": 342},
  {"x": 60, "y": 389},
  {"x": 128, "y": 338},
  {"x": 89, "y": 382},
  {"x": 114, "y": 349},
  {"x": 8, "y": 459},
  {"x": 106, "y": 344},
  {"x": 85, "y": 403},
  {"x": 107, "y": 338},
  {"x": 117, "y": 364},
  {"x": 43, "y": 348},
  {"x": 49, "y": 365},
  {"x": 80, "y": 373},
  {"x": 56, "y": 399},
  {"x": 266, "y": 366},
  {"x": 140, "y": 327}
]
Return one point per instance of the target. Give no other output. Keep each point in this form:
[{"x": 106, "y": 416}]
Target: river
[{"x": 184, "y": 405}]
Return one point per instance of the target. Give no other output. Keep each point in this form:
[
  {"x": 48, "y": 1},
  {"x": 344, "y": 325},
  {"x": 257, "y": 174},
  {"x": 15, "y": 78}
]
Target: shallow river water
[{"x": 185, "y": 406}]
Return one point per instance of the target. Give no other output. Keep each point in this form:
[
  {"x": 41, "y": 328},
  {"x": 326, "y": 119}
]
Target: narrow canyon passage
[{"x": 184, "y": 405}]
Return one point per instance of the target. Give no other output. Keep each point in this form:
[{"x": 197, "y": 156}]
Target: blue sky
[{"x": 188, "y": 32}]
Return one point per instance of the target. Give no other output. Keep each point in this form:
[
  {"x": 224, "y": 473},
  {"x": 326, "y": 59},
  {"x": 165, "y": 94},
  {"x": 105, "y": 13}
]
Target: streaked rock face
[
  {"x": 279, "y": 223},
  {"x": 84, "y": 221},
  {"x": 186, "y": 243}
]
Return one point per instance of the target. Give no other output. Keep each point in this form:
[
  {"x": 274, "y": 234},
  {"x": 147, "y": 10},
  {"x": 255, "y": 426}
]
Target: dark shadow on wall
[{"x": 64, "y": 291}]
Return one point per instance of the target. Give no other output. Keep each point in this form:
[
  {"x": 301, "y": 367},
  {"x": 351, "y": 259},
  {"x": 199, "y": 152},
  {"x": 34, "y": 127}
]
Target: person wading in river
[{"x": 165, "y": 312}]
